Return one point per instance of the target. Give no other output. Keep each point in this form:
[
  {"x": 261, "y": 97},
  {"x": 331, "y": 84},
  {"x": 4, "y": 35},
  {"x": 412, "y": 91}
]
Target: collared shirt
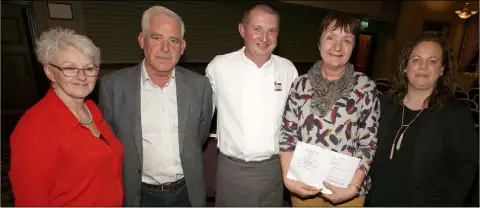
[
  {"x": 250, "y": 103},
  {"x": 161, "y": 151},
  {"x": 56, "y": 161}
]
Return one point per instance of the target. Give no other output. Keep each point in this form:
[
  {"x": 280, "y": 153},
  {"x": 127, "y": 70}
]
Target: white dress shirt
[
  {"x": 250, "y": 103},
  {"x": 161, "y": 154}
]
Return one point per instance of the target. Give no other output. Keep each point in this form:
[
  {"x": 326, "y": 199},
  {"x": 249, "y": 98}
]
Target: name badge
[{"x": 278, "y": 86}]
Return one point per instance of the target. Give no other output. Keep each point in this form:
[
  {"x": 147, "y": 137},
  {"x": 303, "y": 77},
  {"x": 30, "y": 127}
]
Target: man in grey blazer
[{"x": 162, "y": 113}]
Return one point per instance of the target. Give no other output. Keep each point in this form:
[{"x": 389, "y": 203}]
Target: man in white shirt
[
  {"x": 161, "y": 112},
  {"x": 250, "y": 89}
]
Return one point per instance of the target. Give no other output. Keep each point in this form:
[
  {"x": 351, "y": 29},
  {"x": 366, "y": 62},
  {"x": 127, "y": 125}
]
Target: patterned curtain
[{"x": 469, "y": 44}]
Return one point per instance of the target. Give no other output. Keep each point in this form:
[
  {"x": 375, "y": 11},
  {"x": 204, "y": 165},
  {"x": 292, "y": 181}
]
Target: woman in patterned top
[{"x": 333, "y": 107}]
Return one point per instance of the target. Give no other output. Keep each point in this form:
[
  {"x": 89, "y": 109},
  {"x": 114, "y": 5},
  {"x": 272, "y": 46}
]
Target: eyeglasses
[{"x": 73, "y": 71}]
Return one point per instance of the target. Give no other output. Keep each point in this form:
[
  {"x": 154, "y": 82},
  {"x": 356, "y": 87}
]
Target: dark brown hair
[
  {"x": 262, "y": 7},
  {"x": 445, "y": 86},
  {"x": 343, "y": 21}
]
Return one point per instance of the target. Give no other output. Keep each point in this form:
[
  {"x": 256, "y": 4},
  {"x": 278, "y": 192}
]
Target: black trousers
[{"x": 152, "y": 197}]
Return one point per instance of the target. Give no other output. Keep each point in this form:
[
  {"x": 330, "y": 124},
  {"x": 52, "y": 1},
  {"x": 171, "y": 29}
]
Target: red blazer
[{"x": 55, "y": 161}]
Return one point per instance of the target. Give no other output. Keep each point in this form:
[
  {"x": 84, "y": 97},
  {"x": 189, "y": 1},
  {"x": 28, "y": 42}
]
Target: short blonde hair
[
  {"x": 158, "y": 11},
  {"x": 51, "y": 42}
]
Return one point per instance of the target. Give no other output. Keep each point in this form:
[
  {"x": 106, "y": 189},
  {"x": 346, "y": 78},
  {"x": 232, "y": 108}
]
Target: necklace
[
  {"x": 401, "y": 135},
  {"x": 90, "y": 118}
]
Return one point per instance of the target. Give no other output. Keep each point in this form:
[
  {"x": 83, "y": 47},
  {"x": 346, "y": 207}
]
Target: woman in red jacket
[{"x": 62, "y": 151}]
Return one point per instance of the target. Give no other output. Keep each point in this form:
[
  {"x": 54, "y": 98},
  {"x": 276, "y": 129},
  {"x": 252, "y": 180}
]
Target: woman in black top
[{"x": 427, "y": 151}]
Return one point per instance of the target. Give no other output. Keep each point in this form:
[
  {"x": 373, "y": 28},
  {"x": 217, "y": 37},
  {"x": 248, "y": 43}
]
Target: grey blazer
[{"x": 119, "y": 101}]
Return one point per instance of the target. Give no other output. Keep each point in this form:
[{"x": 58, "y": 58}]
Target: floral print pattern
[{"x": 350, "y": 127}]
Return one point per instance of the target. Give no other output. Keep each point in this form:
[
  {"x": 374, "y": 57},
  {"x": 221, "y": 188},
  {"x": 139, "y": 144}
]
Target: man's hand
[
  {"x": 300, "y": 188},
  {"x": 339, "y": 194}
]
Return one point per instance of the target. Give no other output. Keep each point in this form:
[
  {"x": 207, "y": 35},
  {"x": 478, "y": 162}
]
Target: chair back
[
  {"x": 470, "y": 103},
  {"x": 472, "y": 93},
  {"x": 461, "y": 95}
]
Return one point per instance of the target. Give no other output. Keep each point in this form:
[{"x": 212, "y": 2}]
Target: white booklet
[{"x": 313, "y": 164}]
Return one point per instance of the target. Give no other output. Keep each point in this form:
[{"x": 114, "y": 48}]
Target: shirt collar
[
  {"x": 64, "y": 115},
  {"x": 248, "y": 61},
  {"x": 146, "y": 79}
]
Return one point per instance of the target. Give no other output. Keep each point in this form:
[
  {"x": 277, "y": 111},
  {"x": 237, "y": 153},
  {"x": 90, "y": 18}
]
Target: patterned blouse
[{"x": 350, "y": 127}]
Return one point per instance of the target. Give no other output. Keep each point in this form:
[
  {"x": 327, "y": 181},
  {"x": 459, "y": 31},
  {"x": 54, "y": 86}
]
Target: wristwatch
[{"x": 357, "y": 187}]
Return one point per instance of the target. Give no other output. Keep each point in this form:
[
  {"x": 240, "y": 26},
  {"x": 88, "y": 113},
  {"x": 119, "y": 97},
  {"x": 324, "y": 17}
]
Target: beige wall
[{"x": 43, "y": 22}]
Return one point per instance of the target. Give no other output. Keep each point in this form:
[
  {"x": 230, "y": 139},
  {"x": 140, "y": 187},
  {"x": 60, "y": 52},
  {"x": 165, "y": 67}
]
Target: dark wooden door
[{"x": 19, "y": 87}]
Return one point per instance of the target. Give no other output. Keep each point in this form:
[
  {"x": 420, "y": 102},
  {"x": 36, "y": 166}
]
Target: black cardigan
[{"x": 445, "y": 158}]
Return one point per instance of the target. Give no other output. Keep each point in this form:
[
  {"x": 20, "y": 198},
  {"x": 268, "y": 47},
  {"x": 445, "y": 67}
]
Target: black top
[
  {"x": 391, "y": 187},
  {"x": 437, "y": 161}
]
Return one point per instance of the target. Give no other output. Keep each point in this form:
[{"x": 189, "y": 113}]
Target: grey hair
[
  {"x": 158, "y": 11},
  {"x": 51, "y": 42}
]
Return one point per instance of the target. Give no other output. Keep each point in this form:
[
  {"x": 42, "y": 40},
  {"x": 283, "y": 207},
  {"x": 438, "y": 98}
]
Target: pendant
[
  {"x": 400, "y": 141},
  {"x": 391, "y": 152}
]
